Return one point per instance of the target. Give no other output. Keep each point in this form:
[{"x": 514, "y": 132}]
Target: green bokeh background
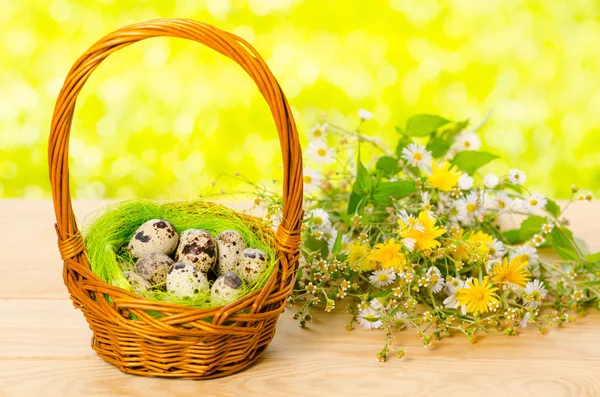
[{"x": 165, "y": 116}]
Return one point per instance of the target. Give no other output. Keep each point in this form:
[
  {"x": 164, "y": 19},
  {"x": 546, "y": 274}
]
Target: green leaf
[
  {"x": 512, "y": 236},
  {"x": 424, "y": 124},
  {"x": 362, "y": 185},
  {"x": 388, "y": 165},
  {"x": 402, "y": 143},
  {"x": 593, "y": 257},
  {"x": 552, "y": 208},
  {"x": 337, "y": 245},
  {"x": 312, "y": 244},
  {"x": 469, "y": 160},
  {"x": 396, "y": 189},
  {"x": 531, "y": 226},
  {"x": 355, "y": 204},
  {"x": 562, "y": 245},
  {"x": 440, "y": 143}
]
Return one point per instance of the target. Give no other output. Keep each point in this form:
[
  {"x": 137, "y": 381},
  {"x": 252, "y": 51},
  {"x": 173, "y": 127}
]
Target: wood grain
[{"x": 44, "y": 342}]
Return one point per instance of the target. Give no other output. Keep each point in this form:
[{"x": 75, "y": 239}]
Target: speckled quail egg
[
  {"x": 230, "y": 244},
  {"x": 137, "y": 283},
  {"x": 185, "y": 280},
  {"x": 154, "y": 267},
  {"x": 156, "y": 235},
  {"x": 253, "y": 262},
  {"x": 197, "y": 247},
  {"x": 226, "y": 289}
]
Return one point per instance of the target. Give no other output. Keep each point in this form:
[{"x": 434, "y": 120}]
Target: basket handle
[{"x": 228, "y": 44}]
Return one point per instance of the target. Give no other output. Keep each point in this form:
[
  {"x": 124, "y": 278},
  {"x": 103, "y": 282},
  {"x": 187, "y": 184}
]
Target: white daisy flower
[
  {"x": 320, "y": 220},
  {"x": 467, "y": 140},
  {"x": 369, "y": 319},
  {"x": 491, "y": 181},
  {"x": 524, "y": 322},
  {"x": 497, "y": 249},
  {"x": 534, "y": 203},
  {"x": 409, "y": 243},
  {"x": 502, "y": 202},
  {"x": 417, "y": 156},
  {"x": 537, "y": 240},
  {"x": 410, "y": 221},
  {"x": 453, "y": 284},
  {"x": 535, "y": 293},
  {"x": 469, "y": 208},
  {"x": 365, "y": 114},
  {"x": 527, "y": 253},
  {"x": 435, "y": 279},
  {"x": 376, "y": 304},
  {"x": 312, "y": 180},
  {"x": 465, "y": 182},
  {"x": 318, "y": 132},
  {"x": 516, "y": 177},
  {"x": 451, "y": 302},
  {"x": 547, "y": 228},
  {"x": 382, "y": 278},
  {"x": 321, "y": 153},
  {"x": 517, "y": 205}
]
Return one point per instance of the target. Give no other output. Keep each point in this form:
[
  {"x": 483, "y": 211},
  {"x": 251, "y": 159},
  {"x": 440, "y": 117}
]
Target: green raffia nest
[{"x": 107, "y": 236}]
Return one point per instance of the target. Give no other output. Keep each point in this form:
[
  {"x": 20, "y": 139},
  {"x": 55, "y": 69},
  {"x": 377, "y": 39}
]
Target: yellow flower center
[
  {"x": 318, "y": 220},
  {"x": 318, "y": 133},
  {"x": 418, "y": 156},
  {"x": 382, "y": 277},
  {"x": 467, "y": 144},
  {"x": 471, "y": 207},
  {"x": 501, "y": 204},
  {"x": 321, "y": 152},
  {"x": 533, "y": 202},
  {"x": 307, "y": 179}
]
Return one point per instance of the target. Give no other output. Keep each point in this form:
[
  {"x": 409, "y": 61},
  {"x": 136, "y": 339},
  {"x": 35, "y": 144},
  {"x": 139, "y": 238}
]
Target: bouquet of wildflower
[{"x": 412, "y": 237}]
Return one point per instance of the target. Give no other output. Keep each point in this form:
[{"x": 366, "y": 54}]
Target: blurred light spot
[
  {"x": 149, "y": 156},
  {"x": 126, "y": 192},
  {"x": 24, "y": 95},
  {"x": 106, "y": 126},
  {"x": 264, "y": 7},
  {"x": 157, "y": 55},
  {"x": 8, "y": 169},
  {"x": 430, "y": 67},
  {"x": 60, "y": 11},
  {"x": 308, "y": 72},
  {"x": 53, "y": 86},
  {"x": 33, "y": 192},
  {"x": 218, "y": 8},
  {"x": 571, "y": 124},
  {"x": 387, "y": 75},
  {"x": 94, "y": 190},
  {"x": 184, "y": 125},
  {"x": 19, "y": 41},
  {"x": 245, "y": 32},
  {"x": 120, "y": 167},
  {"x": 92, "y": 157},
  {"x": 29, "y": 134}
]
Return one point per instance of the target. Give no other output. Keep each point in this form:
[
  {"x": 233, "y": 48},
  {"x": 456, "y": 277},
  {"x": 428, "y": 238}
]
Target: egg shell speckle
[
  {"x": 185, "y": 280},
  {"x": 155, "y": 235},
  {"x": 137, "y": 283},
  {"x": 154, "y": 267},
  {"x": 253, "y": 263},
  {"x": 226, "y": 289},
  {"x": 230, "y": 245},
  {"x": 197, "y": 247}
]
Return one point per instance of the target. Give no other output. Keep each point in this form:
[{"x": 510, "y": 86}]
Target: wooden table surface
[{"x": 45, "y": 351}]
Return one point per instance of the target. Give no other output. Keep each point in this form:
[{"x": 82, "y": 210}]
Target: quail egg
[
  {"x": 253, "y": 262},
  {"x": 155, "y": 235},
  {"x": 226, "y": 289},
  {"x": 137, "y": 283},
  {"x": 230, "y": 244},
  {"x": 154, "y": 267},
  {"x": 197, "y": 247},
  {"x": 185, "y": 280}
]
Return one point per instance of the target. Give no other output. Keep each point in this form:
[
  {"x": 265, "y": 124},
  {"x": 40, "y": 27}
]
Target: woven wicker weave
[{"x": 185, "y": 341}]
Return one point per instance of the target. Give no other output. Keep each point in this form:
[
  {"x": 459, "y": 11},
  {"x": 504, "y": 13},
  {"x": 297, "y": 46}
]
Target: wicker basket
[{"x": 185, "y": 341}]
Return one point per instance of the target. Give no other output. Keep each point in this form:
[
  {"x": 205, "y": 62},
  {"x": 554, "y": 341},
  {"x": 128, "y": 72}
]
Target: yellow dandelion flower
[
  {"x": 443, "y": 176},
  {"x": 478, "y": 243},
  {"x": 358, "y": 254},
  {"x": 477, "y": 296},
  {"x": 513, "y": 272},
  {"x": 425, "y": 235},
  {"x": 388, "y": 254}
]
